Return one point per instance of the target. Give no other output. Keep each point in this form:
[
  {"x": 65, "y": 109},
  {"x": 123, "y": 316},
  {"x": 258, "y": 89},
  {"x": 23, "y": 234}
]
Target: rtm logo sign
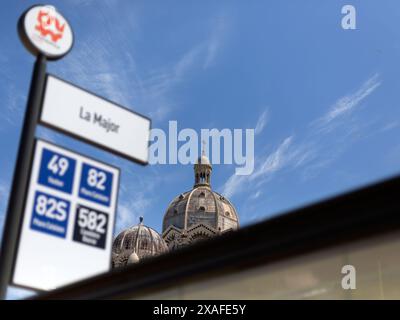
[
  {"x": 49, "y": 24},
  {"x": 349, "y": 280}
]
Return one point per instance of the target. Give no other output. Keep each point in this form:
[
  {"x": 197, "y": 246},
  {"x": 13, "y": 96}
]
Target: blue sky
[{"x": 323, "y": 100}]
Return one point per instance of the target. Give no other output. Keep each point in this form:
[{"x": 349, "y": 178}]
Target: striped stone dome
[
  {"x": 135, "y": 244},
  {"x": 200, "y": 213},
  {"x": 201, "y": 205}
]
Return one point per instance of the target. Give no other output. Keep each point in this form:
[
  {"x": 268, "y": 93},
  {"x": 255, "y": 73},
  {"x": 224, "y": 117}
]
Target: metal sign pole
[
  {"x": 21, "y": 175},
  {"x": 48, "y": 36}
]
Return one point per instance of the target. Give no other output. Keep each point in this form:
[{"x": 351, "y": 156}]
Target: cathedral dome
[
  {"x": 201, "y": 205},
  {"x": 199, "y": 213},
  {"x": 135, "y": 244}
]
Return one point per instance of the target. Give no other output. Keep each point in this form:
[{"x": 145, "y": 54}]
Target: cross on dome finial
[{"x": 203, "y": 149}]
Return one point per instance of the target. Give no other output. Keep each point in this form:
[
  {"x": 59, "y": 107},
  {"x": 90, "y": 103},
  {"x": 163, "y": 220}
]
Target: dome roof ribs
[
  {"x": 186, "y": 209},
  {"x": 136, "y": 243},
  {"x": 192, "y": 216}
]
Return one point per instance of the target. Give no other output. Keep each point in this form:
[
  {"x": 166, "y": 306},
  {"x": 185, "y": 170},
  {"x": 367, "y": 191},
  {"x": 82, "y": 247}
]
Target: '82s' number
[{"x": 51, "y": 208}]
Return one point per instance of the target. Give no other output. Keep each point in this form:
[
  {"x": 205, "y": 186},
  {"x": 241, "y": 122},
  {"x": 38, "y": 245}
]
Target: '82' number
[
  {"x": 92, "y": 220},
  {"x": 51, "y": 208},
  {"x": 97, "y": 179}
]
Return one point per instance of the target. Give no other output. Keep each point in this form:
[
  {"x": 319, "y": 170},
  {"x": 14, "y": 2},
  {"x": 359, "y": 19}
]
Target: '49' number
[{"x": 58, "y": 165}]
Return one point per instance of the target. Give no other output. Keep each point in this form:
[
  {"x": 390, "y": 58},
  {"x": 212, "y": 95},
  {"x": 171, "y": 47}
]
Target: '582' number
[{"x": 92, "y": 220}]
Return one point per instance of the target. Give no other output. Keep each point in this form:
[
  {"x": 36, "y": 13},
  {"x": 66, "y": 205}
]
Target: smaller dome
[
  {"x": 137, "y": 243},
  {"x": 133, "y": 258}
]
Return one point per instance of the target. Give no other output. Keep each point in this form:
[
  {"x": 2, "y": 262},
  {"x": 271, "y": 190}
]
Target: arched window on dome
[{"x": 144, "y": 243}]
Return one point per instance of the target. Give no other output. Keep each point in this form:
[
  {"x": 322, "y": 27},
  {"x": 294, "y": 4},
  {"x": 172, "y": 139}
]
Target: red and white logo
[
  {"x": 50, "y": 25},
  {"x": 47, "y": 31}
]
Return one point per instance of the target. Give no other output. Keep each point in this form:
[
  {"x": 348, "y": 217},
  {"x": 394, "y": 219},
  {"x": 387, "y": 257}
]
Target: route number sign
[{"x": 68, "y": 222}]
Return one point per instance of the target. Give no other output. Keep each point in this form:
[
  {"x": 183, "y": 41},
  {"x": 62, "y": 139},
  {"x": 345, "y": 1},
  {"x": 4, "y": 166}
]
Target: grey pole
[{"x": 21, "y": 175}]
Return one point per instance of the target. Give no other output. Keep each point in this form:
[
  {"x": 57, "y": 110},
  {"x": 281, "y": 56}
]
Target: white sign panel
[
  {"x": 95, "y": 120},
  {"x": 68, "y": 222},
  {"x": 46, "y": 31}
]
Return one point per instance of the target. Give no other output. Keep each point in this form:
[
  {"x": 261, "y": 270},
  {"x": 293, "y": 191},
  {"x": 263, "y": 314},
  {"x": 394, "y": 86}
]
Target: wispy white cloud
[
  {"x": 261, "y": 123},
  {"x": 157, "y": 85},
  {"x": 275, "y": 161},
  {"x": 345, "y": 105},
  {"x": 329, "y": 136},
  {"x": 391, "y": 125},
  {"x": 146, "y": 90},
  {"x": 326, "y": 138},
  {"x": 92, "y": 64},
  {"x": 271, "y": 163},
  {"x": 160, "y": 82},
  {"x": 233, "y": 185},
  {"x": 212, "y": 49},
  {"x": 256, "y": 195},
  {"x": 219, "y": 31}
]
